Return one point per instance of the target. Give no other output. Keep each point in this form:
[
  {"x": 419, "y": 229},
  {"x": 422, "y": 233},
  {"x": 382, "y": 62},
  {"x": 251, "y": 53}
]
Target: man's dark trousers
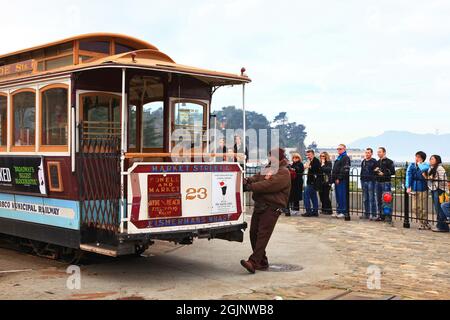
[{"x": 261, "y": 229}]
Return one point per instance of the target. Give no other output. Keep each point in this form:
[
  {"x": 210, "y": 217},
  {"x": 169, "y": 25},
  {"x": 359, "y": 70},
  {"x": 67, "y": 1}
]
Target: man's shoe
[
  {"x": 341, "y": 216},
  {"x": 248, "y": 266},
  {"x": 424, "y": 226},
  {"x": 306, "y": 215},
  {"x": 315, "y": 214},
  {"x": 438, "y": 230}
]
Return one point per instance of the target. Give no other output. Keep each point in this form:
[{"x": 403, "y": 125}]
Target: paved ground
[{"x": 330, "y": 260}]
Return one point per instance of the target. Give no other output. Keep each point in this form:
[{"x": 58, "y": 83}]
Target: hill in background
[{"x": 402, "y": 145}]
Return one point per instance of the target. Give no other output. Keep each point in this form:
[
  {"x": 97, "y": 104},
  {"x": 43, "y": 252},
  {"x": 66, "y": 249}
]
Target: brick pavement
[{"x": 414, "y": 264}]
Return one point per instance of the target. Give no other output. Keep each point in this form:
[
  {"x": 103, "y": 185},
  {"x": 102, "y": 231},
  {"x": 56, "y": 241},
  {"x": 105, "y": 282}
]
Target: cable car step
[{"x": 103, "y": 249}]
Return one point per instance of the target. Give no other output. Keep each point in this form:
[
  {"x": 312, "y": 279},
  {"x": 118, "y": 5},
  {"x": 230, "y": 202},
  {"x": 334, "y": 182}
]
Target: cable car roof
[
  {"x": 146, "y": 57},
  {"x": 137, "y": 43}
]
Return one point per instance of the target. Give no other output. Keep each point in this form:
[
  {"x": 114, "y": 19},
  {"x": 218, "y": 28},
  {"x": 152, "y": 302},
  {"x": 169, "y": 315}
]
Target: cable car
[{"x": 90, "y": 156}]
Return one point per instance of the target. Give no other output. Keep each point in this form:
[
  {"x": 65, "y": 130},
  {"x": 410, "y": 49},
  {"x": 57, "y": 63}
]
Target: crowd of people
[
  {"x": 281, "y": 184},
  {"x": 376, "y": 178}
]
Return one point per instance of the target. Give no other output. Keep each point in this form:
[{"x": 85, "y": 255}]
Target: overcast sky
[{"x": 345, "y": 68}]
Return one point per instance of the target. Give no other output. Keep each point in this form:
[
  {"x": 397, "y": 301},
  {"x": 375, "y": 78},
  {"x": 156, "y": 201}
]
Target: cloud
[{"x": 345, "y": 69}]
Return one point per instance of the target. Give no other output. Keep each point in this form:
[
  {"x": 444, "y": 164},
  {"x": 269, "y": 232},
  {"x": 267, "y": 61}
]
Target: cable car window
[
  {"x": 120, "y": 48},
  {"x": 101, "y": 115},
  {"x": 83, "y": 58},
  {"x": 59, "y": 62},
  {"x": 153, "y": 125},
  {"x": 24, "y": 106},
  {"x": 189, "y": 115},
  {"x": 54, "y": 117},
  {"x": 95, "y": 46},
  {"x": 132, "y": 126}
]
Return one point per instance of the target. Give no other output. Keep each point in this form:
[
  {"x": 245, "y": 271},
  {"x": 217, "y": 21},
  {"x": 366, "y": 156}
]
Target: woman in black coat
[
  {"x": 325, "y": 188},
  {"x": 297, "y": 184}
]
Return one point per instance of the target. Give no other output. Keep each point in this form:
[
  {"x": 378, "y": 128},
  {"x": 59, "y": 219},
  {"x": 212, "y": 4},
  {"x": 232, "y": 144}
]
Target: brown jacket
[{"x": 273, "y": 192}]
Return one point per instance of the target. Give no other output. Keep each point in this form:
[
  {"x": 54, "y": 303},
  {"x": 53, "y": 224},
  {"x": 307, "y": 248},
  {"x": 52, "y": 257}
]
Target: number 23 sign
[{"x": 193, "y": 194}]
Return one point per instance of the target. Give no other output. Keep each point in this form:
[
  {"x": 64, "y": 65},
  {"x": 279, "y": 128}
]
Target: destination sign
[{"x": 17, "y": 68}]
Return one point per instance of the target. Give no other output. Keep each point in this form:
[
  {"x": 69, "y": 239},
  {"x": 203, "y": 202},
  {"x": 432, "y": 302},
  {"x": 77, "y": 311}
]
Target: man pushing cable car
[{"x": 271, "y": 191}]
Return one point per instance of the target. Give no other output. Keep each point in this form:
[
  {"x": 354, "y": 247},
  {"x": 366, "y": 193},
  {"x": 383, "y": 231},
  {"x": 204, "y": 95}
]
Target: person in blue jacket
[
  {"x": 446, "y": 209},
  {"x": 417, "y": 187},
  {"x": 340, "y": 176}
]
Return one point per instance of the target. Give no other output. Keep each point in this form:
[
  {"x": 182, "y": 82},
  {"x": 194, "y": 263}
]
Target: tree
[
  {"x": 297, "y": 137},
  {"x": 281, "y": 119},
  {"x": 313, "y": 146},
  {"x": 152, "y": 128},
  {"x": 292, "y": 135}
]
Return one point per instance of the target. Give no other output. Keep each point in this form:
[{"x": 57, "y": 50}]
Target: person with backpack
[
  {"x": 312, "y": 185},
  {"x": 325, "y": 188},
  {"x": 438, "y": 185},
  {"x": 384, "y": 170},
  {"x": 368, "y": 185},
  {"x": 417, "y": 186},
  {"x": 296, "y": 169}
]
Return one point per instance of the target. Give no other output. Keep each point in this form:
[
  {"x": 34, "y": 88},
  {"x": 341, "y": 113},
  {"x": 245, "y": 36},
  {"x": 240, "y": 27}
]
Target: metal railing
[
  {"x": 98, "y": 164},
  {"x": 416, "y": 207}
]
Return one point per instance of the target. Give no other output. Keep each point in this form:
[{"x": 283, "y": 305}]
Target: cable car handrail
[
  {"x": 130, "y": 155},
  {"x": 104, "y": 128},
  {"x": 85, "y": 123}
]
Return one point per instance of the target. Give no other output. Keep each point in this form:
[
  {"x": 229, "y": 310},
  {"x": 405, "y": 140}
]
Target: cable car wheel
[
  {"x": 50, "y": 251},
  {"x": 140, "y": 249},
  {"x": 69, "y": 255}
]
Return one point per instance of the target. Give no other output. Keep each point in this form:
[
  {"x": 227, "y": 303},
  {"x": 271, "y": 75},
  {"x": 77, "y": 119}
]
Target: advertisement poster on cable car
[
  {"x": 223, "y": 184},
  {"x": 23, "y": 175}
]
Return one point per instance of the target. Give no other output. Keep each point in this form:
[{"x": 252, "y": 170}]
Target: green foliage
[
  {"x": 399, "y": 179},
  {"x": 231, "y": 118},
  {"x": 447, "y": 169},
  {"x": 152, "y": 128},
  {"x": 354, "y": 186},
  {"x": 292, "y": 135}
]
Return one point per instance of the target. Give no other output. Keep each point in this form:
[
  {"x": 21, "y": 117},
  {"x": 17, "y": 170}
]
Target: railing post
[
  {"x": 347, "y": 191},
  {"x": 406, "y": 222}
]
